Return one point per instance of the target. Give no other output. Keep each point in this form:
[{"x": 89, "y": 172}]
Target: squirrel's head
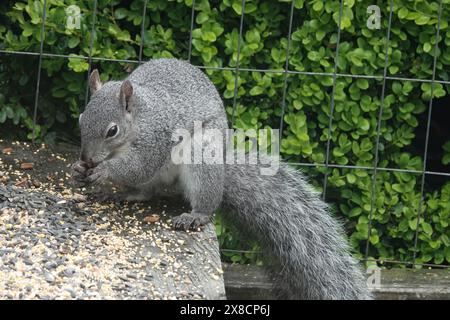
[{"x": 106, "y": 125}]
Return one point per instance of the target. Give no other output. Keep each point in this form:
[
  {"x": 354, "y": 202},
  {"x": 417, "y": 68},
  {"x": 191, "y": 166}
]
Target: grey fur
[
  {"x": 294, "y": 226},
  {"x": 282, "y": 211}
]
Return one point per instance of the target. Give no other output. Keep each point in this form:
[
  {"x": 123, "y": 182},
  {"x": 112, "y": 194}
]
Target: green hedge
[{"x": 259, "y": 94}]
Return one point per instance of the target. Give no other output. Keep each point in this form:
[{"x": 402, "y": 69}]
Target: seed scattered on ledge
[
  {"x": 21, "y": 183},
  {"x": 152, "y": 218},
  {"x": 7, "y": 151},
  {"x": 27, "y": 166},
  {"x": 55, "y": 243}
]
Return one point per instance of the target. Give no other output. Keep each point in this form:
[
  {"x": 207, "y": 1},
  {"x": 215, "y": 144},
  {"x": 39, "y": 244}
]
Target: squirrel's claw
[
  {"x": 96, "y": 175},
  {"x": 79, "y": 167},
  {"x": 190, "y": 221},
  {"x": 78, "y": 177},
  {"x": 94, "y": 178},
  {"x": 79, "y": 174}
]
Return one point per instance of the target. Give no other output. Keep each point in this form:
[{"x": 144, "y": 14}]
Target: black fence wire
[{"x": 286, "y": 72}]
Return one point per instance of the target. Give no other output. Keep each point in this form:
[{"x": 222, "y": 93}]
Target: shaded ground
[{"x": 56, "y": 243}]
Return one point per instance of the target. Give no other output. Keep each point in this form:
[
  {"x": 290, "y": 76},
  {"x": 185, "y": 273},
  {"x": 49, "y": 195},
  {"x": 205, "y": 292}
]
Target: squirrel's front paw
[
  {"x": 97, "y": 175},
  {"x": 79, "y": 170},
  {"x": 190, "y": 221}
]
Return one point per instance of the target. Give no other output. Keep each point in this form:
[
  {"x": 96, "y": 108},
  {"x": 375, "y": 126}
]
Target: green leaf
[
  {"x": 427, "y": 47},
  {"x": 413, "y": 224},
  {"x": 314, "y": 56},
  {"x": 59, "y": 93},
  {"x": 78, "y": 64},
  {"x": 202, "y": 17},
  {"x": 209, "y": 36},
  {"x": 427, "y": 228},
  {"x": 2, "y": 116},
  {"x": 257, "y": 90},
  {"x": 237, "y": 7},
  {"x": 363, "y": 124},
  {"x": 120, "y": 13},
  {"x": 422, "y": 19},
  {"x": 351, "y": 178},
  {"x": 318, "y": 6},
  {"x": 402, "y": 13},
  {"x": 73, "y": 42},
  {"x": 362, "y": 84},
  {"x": 447, "y": 254},
  {"x": 374, "y": 239}
]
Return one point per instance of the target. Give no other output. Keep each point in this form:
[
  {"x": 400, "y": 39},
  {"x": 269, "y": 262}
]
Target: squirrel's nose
[{"x": 86, "y": 159}]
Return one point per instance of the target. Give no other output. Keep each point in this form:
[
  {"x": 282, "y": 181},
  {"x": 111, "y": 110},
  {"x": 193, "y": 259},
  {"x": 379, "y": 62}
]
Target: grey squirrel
[{"x": 125, "y": 139}]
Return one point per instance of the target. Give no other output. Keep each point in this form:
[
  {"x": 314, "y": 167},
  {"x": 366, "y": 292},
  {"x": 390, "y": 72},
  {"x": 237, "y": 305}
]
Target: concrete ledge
[
  {"x": 412, "y": 284},
  {"x": 58, "y": 243},
  {"x": 251, "y": 282}
]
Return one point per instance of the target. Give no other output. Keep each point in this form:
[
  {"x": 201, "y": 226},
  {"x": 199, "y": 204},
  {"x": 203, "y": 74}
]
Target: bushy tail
[{"x": 296, "y": 229}]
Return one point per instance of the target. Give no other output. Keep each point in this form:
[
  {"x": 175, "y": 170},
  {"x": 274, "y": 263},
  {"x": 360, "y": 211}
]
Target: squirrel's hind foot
[{"x": 190, "y": 221}]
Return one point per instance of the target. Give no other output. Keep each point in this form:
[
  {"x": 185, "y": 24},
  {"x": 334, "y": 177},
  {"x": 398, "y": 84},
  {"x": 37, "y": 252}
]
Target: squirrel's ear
[
  {"x": 94, "y": 81},
  {"x": 126, "y": 91}
]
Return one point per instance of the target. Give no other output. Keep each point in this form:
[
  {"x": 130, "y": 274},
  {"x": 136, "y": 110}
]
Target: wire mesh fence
[{"x": 384, "y": 77}]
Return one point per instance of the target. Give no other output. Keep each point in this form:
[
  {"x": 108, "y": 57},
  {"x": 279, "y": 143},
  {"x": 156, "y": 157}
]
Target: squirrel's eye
[{"x": 112, "y": 131}]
